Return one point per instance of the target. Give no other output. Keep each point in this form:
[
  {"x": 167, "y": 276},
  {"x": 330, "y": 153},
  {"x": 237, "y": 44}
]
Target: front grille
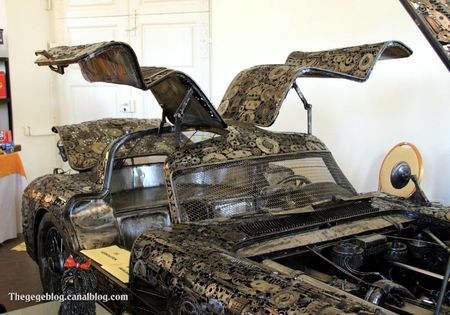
[{"x": 283, "y": 224}]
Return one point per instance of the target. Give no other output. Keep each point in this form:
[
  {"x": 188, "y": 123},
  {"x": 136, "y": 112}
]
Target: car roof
[
  {"x": 242, "y": 141},
  {"x": 84, "y": 143}
]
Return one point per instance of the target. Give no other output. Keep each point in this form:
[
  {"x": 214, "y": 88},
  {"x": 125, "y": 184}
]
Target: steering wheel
[
  {"x": 282, "y": 194},
  {"x": 298, "y": 180}
]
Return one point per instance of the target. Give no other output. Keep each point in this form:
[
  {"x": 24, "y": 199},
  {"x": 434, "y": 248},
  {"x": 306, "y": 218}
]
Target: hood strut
[
  {"x": 179, "y": 115},
  {"x": 306, "y": 104}
]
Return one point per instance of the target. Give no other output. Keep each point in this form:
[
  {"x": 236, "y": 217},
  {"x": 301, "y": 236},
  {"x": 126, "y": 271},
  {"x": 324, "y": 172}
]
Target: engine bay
[{"x": 401, "y": 269}]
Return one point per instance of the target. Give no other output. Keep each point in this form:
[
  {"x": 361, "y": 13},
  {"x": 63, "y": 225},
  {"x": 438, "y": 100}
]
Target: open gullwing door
[
  {"x": 182, "y": 101},
  {"x": 255, "y": 95}
]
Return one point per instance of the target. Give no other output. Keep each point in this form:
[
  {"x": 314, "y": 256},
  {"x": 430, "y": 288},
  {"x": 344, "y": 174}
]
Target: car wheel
[
  {"x": 51, "y": 254},
  {"x": 185, "y": 306}
]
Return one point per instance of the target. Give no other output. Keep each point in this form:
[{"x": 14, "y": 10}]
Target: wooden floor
[{"x": 18, "y": 273}]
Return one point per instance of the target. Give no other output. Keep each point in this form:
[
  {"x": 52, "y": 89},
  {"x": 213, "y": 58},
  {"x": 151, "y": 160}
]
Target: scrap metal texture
[
  {"x": 191, "y": 264},
  {"x": 68, "y": 54},
  {"x": 437, "y": 15},
  {"x": 50, "y": 194},
  {"x": 241, "y": 141},
  {"x": 116, "y": 62},
  {"x": 433, "y": 19},
  {"x": 198, "y": 265},
  {"x": 353, "y": 63},
  {"x": 217, "y": 278},
  {"x": 85, "y": 142},
  {"x": 256, "y": 186},
  {"x": 256, "y": 94}
]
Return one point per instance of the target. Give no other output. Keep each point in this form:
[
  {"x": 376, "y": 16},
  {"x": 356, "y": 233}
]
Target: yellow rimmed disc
[{"x": 403, "y": 152}]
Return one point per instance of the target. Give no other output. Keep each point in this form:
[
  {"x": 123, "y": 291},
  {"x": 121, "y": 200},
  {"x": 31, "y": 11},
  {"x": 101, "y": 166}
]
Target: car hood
[
  {"x": 240, "y": 234},
  {"x": 219, "y": 280},
  {"x": 205, "y": 260}
]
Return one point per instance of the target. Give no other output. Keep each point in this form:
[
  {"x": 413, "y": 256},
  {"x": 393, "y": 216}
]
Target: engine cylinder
[
  {"x": 349, "y": 254},
  {"x": 396, "y": 251},
  {"x": 419, "y": 248}
]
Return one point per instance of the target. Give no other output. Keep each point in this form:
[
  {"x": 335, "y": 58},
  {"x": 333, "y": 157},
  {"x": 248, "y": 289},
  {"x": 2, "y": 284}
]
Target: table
[{"x": 12, "y": 185}]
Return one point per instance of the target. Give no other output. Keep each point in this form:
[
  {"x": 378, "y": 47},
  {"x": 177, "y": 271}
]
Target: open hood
[
  {"x": 182, "y": 101},
  {"x": 433, "y": 19},
  {"x": 255, "y": 95}
]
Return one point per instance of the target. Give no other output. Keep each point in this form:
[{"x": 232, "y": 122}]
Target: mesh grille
[
  {"x": 285, "y": 224},
  {"x": 257, "y": 185}
]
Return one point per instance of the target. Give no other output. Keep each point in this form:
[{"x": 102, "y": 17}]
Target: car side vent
[{"x": 307, "y": 220}]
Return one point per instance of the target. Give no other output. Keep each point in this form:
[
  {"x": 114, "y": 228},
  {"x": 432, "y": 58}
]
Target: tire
[
  {"x": 185, "y": 306},
  {"x": 52, "y": 252}
]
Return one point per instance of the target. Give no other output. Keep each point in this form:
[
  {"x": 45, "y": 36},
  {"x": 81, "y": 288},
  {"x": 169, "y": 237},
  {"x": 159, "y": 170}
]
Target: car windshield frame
[{"x": 328, "y": 161}]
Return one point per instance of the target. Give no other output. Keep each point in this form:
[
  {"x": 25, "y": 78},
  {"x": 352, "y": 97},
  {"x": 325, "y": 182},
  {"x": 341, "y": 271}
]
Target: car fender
[{"x": 192, "y": 270}]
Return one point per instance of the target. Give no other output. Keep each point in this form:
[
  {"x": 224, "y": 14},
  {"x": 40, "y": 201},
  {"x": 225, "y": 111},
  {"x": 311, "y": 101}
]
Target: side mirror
[
  {"x": 400, "y": 175},
  {"x": 401, "y": 172}
]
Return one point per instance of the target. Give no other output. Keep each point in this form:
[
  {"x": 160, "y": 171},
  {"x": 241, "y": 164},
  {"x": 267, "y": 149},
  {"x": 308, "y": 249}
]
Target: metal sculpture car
[{"x": 222, "y": 216}]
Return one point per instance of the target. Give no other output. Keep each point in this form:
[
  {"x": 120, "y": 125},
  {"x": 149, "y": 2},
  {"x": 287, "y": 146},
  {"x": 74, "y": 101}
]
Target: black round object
[
  {"x": 348, "y": 254},
  {"x": 396, "y": 251},
  {"x": 419, "y": 248},
  {"x": 400, "y": 175},
  {"x": 51, "y": 250}
]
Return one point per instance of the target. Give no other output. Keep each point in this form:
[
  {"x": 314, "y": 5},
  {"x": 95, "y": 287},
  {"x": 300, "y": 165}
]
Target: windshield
[{"x": 264, "y": 185}]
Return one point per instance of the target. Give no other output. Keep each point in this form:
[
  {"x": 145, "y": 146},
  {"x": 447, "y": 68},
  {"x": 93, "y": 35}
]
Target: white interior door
[
  {"x": 89, "y": 8},
  {"x": 79, "y": 99},
  {"x": 177, "y": 41},
  {"x": 169, "y": 38},
  {"x": 168, "y": 6}
]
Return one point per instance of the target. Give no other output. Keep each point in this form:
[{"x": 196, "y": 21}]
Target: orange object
[
  {"x": 2, "y": 85},
  {"x": 10, "y": 164},
  {"x": 403, "y": 152}
]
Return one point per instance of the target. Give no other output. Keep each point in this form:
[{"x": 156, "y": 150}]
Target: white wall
[
  {"x": 27, "y": 28},
  {"x": 403, "y": 100}
]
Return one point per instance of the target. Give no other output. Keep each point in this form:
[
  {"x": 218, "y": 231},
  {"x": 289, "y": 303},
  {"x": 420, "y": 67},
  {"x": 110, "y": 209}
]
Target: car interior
[{"x": 139, "y": 197}]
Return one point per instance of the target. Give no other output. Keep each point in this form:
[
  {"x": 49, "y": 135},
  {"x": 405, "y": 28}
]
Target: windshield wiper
[{"x": 335, "y": 200}]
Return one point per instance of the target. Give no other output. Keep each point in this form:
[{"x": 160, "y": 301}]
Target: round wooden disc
[{"x": 402, "y": 152}]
